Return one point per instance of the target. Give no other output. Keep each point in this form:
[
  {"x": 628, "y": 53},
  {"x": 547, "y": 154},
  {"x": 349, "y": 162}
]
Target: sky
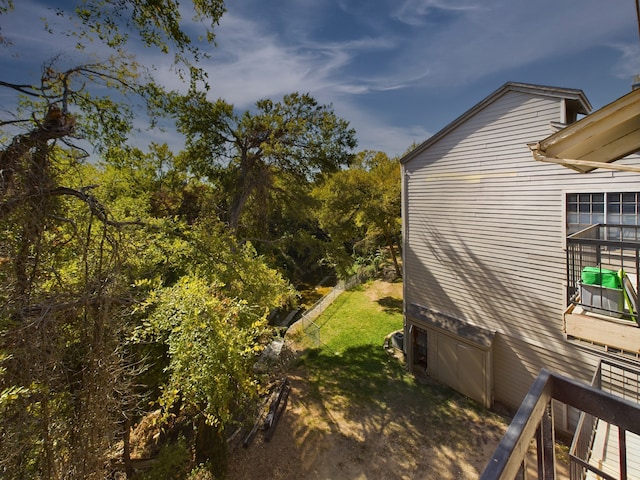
[{"x": 397, "y": 70}]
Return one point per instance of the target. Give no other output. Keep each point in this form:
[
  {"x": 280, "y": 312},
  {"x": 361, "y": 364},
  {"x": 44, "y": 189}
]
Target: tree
[
  {"x": 63, "y": 311},
  {"x": 210, "y": 315},
  {"x": 294, "y": 140},
  {"x": 360, "y": 207},
  {"x": 66, "y": 294}
]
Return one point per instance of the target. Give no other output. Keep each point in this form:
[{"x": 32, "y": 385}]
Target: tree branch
[
  {"x": 92, "y": 202},
  {"x": 25, "y": 89}
]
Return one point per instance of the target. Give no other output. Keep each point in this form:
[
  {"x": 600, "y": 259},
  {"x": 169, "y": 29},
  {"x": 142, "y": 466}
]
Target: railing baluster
[
  {"x": 540, "y": 450},
  {"x": 534, "y": 420},
  {"x": 622, "y": 448},
  {"x": 546, "y": 442}
]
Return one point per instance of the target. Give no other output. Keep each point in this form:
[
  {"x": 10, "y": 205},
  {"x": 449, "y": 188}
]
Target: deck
[{"x": 605, "y": 454}]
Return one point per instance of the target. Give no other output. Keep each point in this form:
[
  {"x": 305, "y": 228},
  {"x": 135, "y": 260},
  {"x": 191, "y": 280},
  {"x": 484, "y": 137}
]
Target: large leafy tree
[
  {"x": 262, "y": 156},
  {"x": 360, "y": 207}
]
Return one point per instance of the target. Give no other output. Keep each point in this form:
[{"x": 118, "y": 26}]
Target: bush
[{"x": 172, "y": 463}]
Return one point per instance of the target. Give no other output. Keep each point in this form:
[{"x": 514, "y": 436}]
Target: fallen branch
[
  {"x": 268, "y": 418},
  {"x": 285, "y": 396},
  {"x": 259, "y": 421}
]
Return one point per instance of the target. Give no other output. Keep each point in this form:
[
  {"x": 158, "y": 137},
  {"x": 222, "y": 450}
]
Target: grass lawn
[
  {"x": 352, "y": 364},
  {"x": 355, "y": 319},
  {"x": 356, "y": 412}
]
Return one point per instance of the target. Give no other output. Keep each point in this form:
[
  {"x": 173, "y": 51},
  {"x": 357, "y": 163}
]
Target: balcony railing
[
  {"x": 608, "y": 248},
  {"x": 623, "y": 382},
  {"x": 533, "y": 424}
]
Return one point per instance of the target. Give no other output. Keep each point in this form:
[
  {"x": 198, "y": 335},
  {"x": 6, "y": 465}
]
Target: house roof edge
[{"x": 559, "y": 92}]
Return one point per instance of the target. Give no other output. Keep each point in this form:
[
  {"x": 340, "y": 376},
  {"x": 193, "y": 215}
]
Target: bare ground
[{"x": 322, "y": 436}]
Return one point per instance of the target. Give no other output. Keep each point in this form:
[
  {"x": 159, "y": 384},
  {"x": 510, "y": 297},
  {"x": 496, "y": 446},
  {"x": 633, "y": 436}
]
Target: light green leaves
[{"x": 212, "y": 341}]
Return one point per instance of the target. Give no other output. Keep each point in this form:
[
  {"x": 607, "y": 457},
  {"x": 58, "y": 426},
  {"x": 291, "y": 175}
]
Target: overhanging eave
[{"x": 597, "y": 140}]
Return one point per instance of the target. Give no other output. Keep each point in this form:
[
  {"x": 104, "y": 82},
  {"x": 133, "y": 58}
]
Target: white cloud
[
  {"x": 252, "y": 63},
  {"x": 417, "y": 12},
  {"x": 507, "y": 34},
  {"x": 629, "y": 63}
]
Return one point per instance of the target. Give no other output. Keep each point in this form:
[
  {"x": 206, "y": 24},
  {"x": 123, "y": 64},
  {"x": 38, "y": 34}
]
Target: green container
[{"x": 601, "y": 276}]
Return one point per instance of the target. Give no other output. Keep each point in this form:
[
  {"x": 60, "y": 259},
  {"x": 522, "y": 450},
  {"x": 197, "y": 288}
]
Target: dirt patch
[
  {"x": 317, "y": 438},
  {"x": 379, "y": 289},
  {"x": 322, "y": 436}
]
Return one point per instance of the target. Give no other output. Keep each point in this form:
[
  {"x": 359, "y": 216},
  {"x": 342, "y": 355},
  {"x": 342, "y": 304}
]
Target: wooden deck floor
[{"x": 605, "y": 454}]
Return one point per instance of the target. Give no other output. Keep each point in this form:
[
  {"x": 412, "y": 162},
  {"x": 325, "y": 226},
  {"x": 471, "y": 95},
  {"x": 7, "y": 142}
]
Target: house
[{"x": 489, "y": 205}]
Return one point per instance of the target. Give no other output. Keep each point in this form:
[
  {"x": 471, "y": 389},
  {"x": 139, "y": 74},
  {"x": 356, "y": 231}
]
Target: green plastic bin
[{"x": 601, "y": 276}]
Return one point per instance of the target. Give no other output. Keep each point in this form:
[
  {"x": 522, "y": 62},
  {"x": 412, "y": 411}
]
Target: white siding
[{"x": 484, "y": 236}]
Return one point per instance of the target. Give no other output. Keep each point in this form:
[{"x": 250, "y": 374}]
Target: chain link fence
[{"x": 307, "y": 320}]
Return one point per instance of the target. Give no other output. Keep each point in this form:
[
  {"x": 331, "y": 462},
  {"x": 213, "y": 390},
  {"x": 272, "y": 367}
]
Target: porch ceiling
[{"x": 597, "y": 140}]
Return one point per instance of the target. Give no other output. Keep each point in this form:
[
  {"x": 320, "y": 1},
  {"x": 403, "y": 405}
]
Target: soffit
[{"x": 597, "y": 140}]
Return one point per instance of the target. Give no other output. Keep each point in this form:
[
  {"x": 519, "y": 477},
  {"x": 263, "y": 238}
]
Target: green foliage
[
  {"x": 201, "y": 472},
  {"x": 11, "y": 393},
  {"x": 159, "y": 24},
  {"x": 264, "y": 162},
  {"x": 360, "y": 208},
  {"x": 204, "y": 297},
  {"x": 264, "y": 156},
  {"x": 172, "y": 463},
  {"x": 212, "y": 343},
  {"x": 86, "y": 281}
]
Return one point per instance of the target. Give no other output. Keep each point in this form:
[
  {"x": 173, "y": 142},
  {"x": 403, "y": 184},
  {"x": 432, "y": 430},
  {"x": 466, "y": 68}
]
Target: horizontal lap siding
[
  {"x": 484, "y": 234},
  {"x": 524, "y": 361},
  {"x": 473, "y": 214}
]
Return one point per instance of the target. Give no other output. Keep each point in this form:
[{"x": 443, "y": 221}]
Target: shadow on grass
[
  {"x": 391, "y": 304},
  {"x": 367, "y": 376},
  {"x": 374, "y": 391},
  {"x": 360, "y": 374}
]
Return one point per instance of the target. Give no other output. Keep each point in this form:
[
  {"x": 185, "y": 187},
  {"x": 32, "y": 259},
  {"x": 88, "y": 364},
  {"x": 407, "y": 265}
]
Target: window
[{"x": 613, "y": 208}]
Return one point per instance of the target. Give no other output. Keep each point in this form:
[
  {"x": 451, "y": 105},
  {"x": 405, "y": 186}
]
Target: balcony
[
  {"x": 603, "y": 308},
  {"x": 609, "y": 404}
]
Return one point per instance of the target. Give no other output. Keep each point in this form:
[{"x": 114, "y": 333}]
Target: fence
[{"x": 307, "y": 320}]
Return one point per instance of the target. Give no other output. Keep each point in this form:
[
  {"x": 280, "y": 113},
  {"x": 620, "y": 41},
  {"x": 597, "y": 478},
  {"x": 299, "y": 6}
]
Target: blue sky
[{"x": 397, "y": 70}]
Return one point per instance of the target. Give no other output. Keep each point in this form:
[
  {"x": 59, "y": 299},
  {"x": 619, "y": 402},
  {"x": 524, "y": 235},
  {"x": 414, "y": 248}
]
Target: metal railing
[
  {"x": 614, "y": 247},
  {"x": 623, "y": 381},
  {"x": 534, "y": 422}
]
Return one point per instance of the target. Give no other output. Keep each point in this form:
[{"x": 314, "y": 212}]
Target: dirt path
[{"x": 324, "y": 437}]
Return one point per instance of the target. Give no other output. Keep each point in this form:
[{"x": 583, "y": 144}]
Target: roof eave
[
  {"x": 597, "y": 140},
  {"x": 564, "y": 93}
]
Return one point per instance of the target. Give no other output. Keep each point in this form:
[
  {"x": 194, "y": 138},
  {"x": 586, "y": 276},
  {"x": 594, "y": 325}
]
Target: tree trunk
[
  {"x": 243, "y": 188},
  {"x": 392, "y": 250},
  {"x": 210, "y": 446},
  {"x": 126, "y": 451}
]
